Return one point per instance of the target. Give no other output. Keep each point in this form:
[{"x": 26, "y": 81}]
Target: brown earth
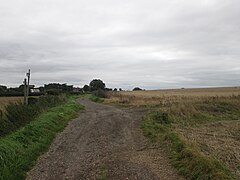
[{"x": 104, "y": 142}]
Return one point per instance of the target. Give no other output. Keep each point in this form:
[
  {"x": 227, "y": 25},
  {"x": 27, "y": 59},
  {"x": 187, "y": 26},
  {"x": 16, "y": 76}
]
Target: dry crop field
[
  {"x": 209, "y": 119},
  {"x": 4, "y": 101},
  {"x": 156, "y": 97}
]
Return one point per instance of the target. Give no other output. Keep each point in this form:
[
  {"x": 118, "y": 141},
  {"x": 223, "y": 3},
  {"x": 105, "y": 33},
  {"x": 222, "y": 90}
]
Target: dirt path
[{"x": 105, "y": 141}]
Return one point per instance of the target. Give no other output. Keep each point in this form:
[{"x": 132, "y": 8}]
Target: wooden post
[
  {"x": 25, "y": 91},
  {"x": 28, "y": 81},
  {"x": 1, "y": 114}
]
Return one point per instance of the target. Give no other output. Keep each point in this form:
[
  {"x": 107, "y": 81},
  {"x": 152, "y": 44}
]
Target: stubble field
[
  {"x": 208, "y": 119},
  {"x": 4, "y": 101}
]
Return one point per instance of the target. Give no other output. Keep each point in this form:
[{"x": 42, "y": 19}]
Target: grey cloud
[{"x": 155, "y": 44}]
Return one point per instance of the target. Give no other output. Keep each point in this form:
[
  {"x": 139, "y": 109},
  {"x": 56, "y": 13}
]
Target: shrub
[{"x": 55, "y": 92}]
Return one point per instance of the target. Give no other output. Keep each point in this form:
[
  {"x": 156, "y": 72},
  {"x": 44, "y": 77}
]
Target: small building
[{"x": 35, "y": 90}]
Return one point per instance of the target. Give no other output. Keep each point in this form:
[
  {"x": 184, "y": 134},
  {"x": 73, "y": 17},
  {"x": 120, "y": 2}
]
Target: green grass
[
  {"x": 96, "y": 99},
  {"x": 20, "y": 150},
  {"x": 18, "y": 115},
  {"x": 184, "y": 156}
]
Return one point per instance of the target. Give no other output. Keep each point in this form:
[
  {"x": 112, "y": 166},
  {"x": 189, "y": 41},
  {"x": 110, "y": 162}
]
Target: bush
[{"x": 55, "y": 92}]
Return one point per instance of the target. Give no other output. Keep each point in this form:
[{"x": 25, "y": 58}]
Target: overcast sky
[{"x": 152, "y": 44}]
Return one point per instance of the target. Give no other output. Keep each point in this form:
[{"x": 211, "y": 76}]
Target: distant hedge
[
  {"x": 17, "y": 115},
  {"x": 10, "y": 94}
]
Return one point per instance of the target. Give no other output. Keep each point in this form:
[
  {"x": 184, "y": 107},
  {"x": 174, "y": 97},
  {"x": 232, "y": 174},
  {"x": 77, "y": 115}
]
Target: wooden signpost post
[
  {"x": 25, "y": 90},
  {"x": 26, "y": 87}
]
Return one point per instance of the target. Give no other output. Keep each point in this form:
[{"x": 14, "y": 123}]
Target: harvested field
[
  {"x": 4, "y": 101},
  {"x": 220, "y": 140},
  {"x": 156, "y": 97},
  {"x": 207, "y": 118}
]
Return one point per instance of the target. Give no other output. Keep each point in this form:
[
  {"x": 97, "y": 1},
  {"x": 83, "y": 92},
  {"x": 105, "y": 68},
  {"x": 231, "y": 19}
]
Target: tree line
[
  {"x": 52, "y": 89},
  {"x": 57, "y": 88}
]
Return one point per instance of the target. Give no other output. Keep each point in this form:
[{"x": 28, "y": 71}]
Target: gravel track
[{"x": 104, "y": 141}]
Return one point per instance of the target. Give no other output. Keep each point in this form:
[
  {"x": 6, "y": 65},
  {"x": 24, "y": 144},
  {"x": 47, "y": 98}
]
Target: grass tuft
[{"x": 96, "y": 99}]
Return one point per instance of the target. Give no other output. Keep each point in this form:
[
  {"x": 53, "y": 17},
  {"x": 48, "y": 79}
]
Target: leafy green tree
[
  {"x": 137, "y": 89},
  {"x": 3, "y": 88},
  {"x": 86, "y": 88},
  {"x": 59, "y": 87},
  {"x": 96, "y": 84}
]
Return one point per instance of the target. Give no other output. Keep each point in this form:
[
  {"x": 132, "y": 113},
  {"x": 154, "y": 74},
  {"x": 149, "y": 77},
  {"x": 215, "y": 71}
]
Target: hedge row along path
[{"x": 105, "y": 142}]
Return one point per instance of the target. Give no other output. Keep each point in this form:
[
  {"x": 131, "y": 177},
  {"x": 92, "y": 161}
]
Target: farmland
[
  {"x": 4, "y": 101},
  {"x": 156, "y": 97},
  {"x": 207, "y": 120},
  {"x": 165, "y": 134}
]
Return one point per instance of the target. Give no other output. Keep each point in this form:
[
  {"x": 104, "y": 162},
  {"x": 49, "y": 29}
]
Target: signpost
[
  {"x": 26, "y": 87},
  {"x": 28, "y": 80},
  {"x": 25, "y": 90}
]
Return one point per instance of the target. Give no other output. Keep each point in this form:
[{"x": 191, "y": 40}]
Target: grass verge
[
  {"x": 20, "y": 150},
  {"x": 185, "y": 156},
  {"x": 96, "y": 99}
]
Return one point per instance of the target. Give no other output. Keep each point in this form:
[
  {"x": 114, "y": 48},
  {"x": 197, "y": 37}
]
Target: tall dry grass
[{"x": 4, "y": 101}]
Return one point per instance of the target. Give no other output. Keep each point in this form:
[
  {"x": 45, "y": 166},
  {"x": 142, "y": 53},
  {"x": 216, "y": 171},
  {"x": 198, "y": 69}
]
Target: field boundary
[{"x": 20, "y": 150}]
